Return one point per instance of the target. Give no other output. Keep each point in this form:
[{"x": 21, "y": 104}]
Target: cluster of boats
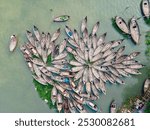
[
  {"x": 36, "y": 51},
  {"x": 96, "y": 61},
  {"x": 132, "y": 28},
  {"x": 79, "y": 80}
]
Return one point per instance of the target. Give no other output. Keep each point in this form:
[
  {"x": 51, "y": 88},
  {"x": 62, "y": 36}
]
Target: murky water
[{"x": 17, "y": 92}]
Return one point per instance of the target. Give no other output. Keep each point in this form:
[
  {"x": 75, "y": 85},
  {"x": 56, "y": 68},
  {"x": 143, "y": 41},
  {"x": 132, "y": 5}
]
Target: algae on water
[{"x": 44, "y": 92}]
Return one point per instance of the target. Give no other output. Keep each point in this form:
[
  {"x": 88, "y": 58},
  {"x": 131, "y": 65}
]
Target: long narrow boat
[
  {"x": 84, "y": 24},
  {"x": 13, "y": 43},
  {"x": 145, "y": 7},
  {"x": 30, "y": 37},
  {"x": 69, "y": 32},
  {"x": 134, "y": 29},
  {"x": 36, "y": 33},
  {"x": 92, "y": 106},
  {"x": 54, "y": 95},
  {"x": 59, "y": 102},
  {"x": 146, "y": 84},
  {"x": 62, "y": 18},
  {"x": 113, "y": 107},
  {"x": 120, "y": 22}
]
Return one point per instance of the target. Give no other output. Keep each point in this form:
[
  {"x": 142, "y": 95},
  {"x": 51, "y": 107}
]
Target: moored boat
[
  {"x": 30, "y": 37},
  {"x": 113, "y": 107},
  {"x": 13, "y": 43},
  {"x": 92, "y": 106},
  {"x": 84, "y": 24},
  {"x": 36, "y": 33},
  {"x": 59, "y": 102},
  {"x": 120, "y": 22},
  {"x": 62, "y": 18},
  {"x": 54, "y": 95},
  {"x": 146, "y": 84},
  {"x": 134, "y": 29},
  {"x": 69, "y": 32},
  {"x": 145, "y": 7}
]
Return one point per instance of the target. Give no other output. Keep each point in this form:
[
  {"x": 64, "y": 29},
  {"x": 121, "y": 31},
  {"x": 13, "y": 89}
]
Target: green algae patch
[
  {"x": 44, "y": 92},
  {"x": 49, "y": 60},
  {"x": 147, "y": 21},
  {"x": 128, "y": 105},
  {"x": 147, "y": 37},
  {"x": 147, "y": 41},
  {"x": 147, "y": 52},
  {"x": 147, "y": 109}
]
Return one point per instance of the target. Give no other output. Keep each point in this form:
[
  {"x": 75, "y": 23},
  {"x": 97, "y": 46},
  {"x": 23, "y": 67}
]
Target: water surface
[{"x": 17, "y": 92}]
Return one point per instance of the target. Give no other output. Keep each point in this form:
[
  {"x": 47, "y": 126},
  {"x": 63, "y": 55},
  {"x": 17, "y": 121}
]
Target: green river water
[{"x": 17, "y": 93}]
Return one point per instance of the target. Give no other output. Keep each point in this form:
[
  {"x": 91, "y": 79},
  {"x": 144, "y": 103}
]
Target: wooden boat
[
  {"x": 134, "y": 29},
  {"x": 146, "y": 84},
  {"x": 55, "y": 35},
  {"x": 84, "y": 24},
  {"x": 92, "y": 106},
  {"x": 30, "y": 37},
  {"x": 59, "y": 102},
  {"x": 113, "y": 107},
  {"x": 36, "y": 33},
  {"x": 95, "y": 28},
  {"x": 62, "y": 18},
  {"x": 69, "y": 32},
  {"x": 79, "y": 107},
  {"x": 66, "y": 106},
  {"x": 145, "y": 7},
  {"x": 13, "y": 43},
  {"x": 40, "y": 80},
  {"x": 71, "y": 106},
  {"x": 54, "y": 95},
  {"x": 122, "y": 25}
]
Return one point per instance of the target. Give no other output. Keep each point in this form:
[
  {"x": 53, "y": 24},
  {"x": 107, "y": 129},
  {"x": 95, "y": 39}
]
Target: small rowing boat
[
  {"x": 92, "y": 106},
  {"x": 145, "y": 7},
  {"x": 69, "y": 32},
  {"x": 13, "y": 43},
  {"x": 113, "y": 107},
  {"x": 146, "y": 84},
  {"x": 36, "y": 33},
  {"x": 120, "y": 22},
  {"x": 62, "y": 18},
  {"x": 134, "y": 29}
]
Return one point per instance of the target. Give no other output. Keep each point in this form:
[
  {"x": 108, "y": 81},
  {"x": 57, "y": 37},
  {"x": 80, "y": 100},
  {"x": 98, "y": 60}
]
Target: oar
[
  {"x": 125, "y": 10},
  {"x": 145, "y": 32},
  {"x": 141, "y": 17}
]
